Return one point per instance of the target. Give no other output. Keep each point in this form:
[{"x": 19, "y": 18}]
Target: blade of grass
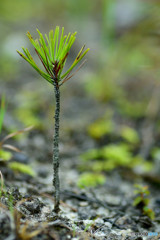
[
  {"x": 2, "y": 182},
  {"x": 10, "y": 147},
  {"x": 14, "y": 134}
]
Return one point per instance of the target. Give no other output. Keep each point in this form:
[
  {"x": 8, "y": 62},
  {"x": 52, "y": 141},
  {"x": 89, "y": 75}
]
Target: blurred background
[{"x": 111, "y": 107}]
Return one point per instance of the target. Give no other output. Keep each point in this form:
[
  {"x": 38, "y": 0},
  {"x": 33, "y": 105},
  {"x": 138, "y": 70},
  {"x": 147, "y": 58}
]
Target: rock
[
  {"x": 83, "y": 204},
  {"x": 43, "y": 172},
  {"x": 125, "y": 220},
  {"x": 20, "y": 157},
  {"x": 33, "y": 206},
  {"x": 5, "y": 226},
  {"x": 108, "y": 224}
]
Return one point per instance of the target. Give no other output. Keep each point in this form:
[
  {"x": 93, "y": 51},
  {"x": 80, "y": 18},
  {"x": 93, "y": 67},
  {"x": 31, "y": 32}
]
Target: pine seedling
[
  {"x": 141, "y": 200},
  {"x": 53, "y": 50}
]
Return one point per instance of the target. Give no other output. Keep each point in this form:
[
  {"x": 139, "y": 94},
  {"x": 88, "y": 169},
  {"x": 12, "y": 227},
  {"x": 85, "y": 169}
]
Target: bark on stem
[{"x": 56, "y": 182}]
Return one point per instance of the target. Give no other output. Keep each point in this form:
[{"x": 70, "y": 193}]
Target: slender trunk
[{"x": 56, "y": 182}]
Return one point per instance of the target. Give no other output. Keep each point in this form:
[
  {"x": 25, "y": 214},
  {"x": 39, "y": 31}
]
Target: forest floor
[{"x": 102, "y": 212}]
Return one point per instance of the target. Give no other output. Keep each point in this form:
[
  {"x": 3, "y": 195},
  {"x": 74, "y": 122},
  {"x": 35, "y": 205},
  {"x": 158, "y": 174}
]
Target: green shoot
[
  {"x": 53, "y": 51},
  {"x": 142, "y": 201}
]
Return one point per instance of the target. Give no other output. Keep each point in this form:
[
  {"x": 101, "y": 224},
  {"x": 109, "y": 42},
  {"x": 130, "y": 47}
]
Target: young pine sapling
[
  {"x": 141, "y": 200},
  {"x": 53, "y": 51}
]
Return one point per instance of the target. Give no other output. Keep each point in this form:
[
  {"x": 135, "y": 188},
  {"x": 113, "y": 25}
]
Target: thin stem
[{"x": 56, "y": 182}]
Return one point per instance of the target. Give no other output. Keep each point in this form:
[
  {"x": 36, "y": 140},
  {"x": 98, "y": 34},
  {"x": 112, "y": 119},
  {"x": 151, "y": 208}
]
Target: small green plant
[
  {"x": 53, "y": 51},
  {"x": 5, "y": 194},
  {"x": 142, "y": 200}
]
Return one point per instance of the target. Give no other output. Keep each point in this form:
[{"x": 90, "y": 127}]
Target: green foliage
[
  {"x": 113, "y": 156},
  {"x": 143, "y": 190},
  {"x": 23, "y": 168},
  {"x": 120, "y": 154},
  {"x": 91, "y": 154},
  {"x": 100, "y": 128},
  {"x": 130, "y": 135},
  {"x": 5, "y": 155},
  {"x": 156, "y": 153},
  {"x": 91, "y": 180},
  {"x": 142, "y": 201},
  {"x": 134, "y": 109},
  {"x": 106, "y": 126},
  {"x": 53, "y": 51}
]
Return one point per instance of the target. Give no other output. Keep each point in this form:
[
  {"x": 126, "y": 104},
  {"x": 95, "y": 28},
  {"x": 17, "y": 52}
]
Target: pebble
[
  {"x": 38, "y": 141},
  {"x": 21, "y": 158},
  {"x": 88, "y": 222},
  {"x": 33, "y": 206},
  {"x": 99, "y": 234},
  {"x": 103, "y": 212},
  {"x": 43, "y": 172},
  {"x": 5, "y": 226},
  {"x": 99, "y": 221},
  {"x": 108, "y": 224},
  {"x": 123, "y": 220},
  {"x": 83, "y": 204}
]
